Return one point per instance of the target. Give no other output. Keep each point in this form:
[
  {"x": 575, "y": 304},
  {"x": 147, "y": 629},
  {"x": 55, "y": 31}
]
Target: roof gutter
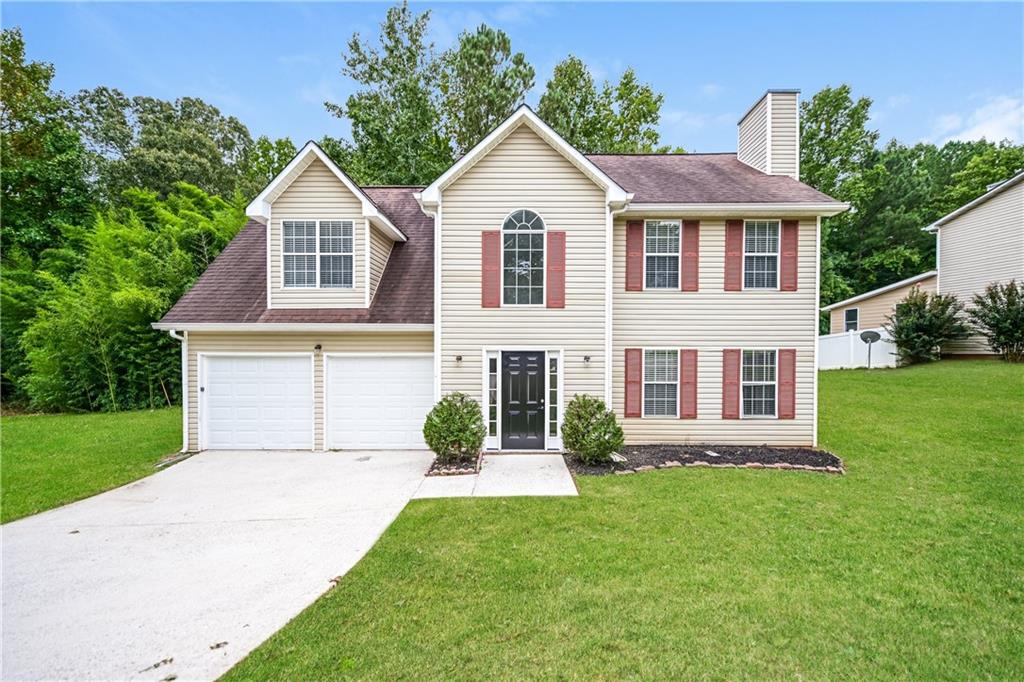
[
  {"x": 351, "y": 327},
  {"x": 824, "y": 209}
]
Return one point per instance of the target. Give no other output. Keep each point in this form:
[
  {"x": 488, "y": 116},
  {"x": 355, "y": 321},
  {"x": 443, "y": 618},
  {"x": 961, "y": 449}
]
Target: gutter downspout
[
  {"x": 609, "y": 293},
  {"x": 184, "y": 385}
]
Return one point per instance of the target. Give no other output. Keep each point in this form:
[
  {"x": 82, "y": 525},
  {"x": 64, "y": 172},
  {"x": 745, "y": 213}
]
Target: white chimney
[{"x": 769, "y": 134}]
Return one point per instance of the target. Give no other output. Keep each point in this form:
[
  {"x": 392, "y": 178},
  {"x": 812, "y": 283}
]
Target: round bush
[
  {"x": 454, "y": 429},
  {"x": 590, "y": 430}
]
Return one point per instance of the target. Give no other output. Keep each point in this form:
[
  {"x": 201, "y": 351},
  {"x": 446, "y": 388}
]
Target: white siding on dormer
[
  {"x": 380, "y": 252},
  {"x": 317, "y": 194}
]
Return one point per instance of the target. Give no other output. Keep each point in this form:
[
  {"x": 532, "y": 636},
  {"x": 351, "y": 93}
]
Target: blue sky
[{"x": 934, "y": 71}]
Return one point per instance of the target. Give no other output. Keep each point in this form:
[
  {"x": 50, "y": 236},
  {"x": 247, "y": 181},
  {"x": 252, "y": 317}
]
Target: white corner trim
[
  {"x": 366, "y": 264},
  {"x": 260, "y": 206},
  {"x": 882, "y": 290},
  {"x": 814, "y": 329},
  {"x": 270, "y": 282},
  {"x": 183, "y": 339},
  {"x": 613, "y": 192},
  {"x": 768, "y": 134}
]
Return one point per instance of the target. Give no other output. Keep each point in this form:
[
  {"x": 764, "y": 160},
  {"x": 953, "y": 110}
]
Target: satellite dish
[{"x": 869, "y": 337}]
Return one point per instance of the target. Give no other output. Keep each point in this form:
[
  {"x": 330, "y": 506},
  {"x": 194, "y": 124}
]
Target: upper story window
[
  {"x": 851, "y": 320},
  {"x": 759, "y": 383},
  {"x": 318, "y": 253},
  {"x": 661, "y": 254},
  {"x": 761, "y": 254},
  {"x": 523, "y": 259}
]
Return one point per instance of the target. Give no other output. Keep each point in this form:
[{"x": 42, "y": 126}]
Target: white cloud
[
  {"x": 999, "y": 118},
  {"x": 320, "y": 92},
  {"x": 711, "y": 90},
  {"x": 521, "y": 12},
  {"x": 301, "y": 59},
  {"x": 897, "y": 101},
  {"x": 694, "y": 120}
]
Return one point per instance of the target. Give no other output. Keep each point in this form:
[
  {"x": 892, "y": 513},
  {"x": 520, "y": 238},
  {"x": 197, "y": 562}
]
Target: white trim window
[
  {"x": 759, "y": 383},
  {"x": 761, "y": 254},
  {"x": 661, "y": 383},
  {"x": 661, "y": 254},
  {"x": 299, "y": 253},
  {"x": 553, "y": 360},
  {"x": 851, "y": 323},
  {"x": 492, "y": 396},
  {"x": 522, "y": 272},
  {"x": 318, "y": 254}
]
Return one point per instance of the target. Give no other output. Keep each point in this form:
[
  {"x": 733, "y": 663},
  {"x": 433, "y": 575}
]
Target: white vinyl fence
[{"x": 837, "y": 351}]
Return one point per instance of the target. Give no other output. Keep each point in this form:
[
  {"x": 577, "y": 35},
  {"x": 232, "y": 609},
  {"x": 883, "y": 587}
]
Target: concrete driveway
[{"x": 183, "y": 573}]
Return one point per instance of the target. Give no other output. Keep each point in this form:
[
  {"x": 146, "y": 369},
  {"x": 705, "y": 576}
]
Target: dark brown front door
[{"x": 522, "y": 401}]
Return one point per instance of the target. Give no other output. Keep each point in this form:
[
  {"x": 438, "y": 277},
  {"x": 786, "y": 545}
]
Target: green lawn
[
  {"x": 50, "y": 460},
  {"x": 911, "y": 566}
]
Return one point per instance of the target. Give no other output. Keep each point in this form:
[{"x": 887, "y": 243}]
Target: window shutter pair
[
  {"x": 788, "y": 238},
  {"x": 689, "y": 254},
  {"x": 687, "y": 383},
  {"x": 786, "y": 369},
  {"x": 490, "y": 274}
]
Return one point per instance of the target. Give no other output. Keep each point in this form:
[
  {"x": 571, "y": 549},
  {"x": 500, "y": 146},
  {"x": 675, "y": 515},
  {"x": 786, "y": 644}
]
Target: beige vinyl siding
[
  {"x": 873, "y": 310},
  {"x": 523, "y": 171},
  {"x": 380, "y": 251},
  {"x": 980, "y": 247},
  {"x": 275, "y": 342},
  {"x": 785, "y": 137},
  {"x": 753, "y": 137},
  {"x": 317, "y": 194},
  {"x": 709, "y": 320}
]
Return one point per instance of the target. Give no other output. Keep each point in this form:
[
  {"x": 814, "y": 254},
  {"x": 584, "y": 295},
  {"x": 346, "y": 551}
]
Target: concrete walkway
[
  {"x": 505, "y": 476},
  {"x": 184, "y": 572}
]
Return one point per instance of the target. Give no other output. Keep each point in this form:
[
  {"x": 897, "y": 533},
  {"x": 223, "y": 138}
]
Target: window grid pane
[
  {"x": 299, "y": 253},
  {"x": 759, "y": 383},
  {"x": 761, "y": 254},
  {"x": 553, "y": 396},
  {"x": 661, "y": 383},
  {"x": 336, "y": 271},
  {"x": 492, "y": 397},
  {"x": 523, "y": 259},
  {"x": 336, "y": 236},
  {"x": 851, "y": 320},
  {"x": 661, "y": 248}
]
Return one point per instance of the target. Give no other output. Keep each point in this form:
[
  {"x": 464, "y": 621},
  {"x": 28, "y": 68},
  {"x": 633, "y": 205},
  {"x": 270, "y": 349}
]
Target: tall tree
[
  {"x": 619, "y": 118},
  {"x": 263, "y": 160},
  {"x": 151, "y": 143},
  {"x": 835, "y": 141},
  {"x": 994, "y": 164},
  {"x": 482, "y": 82},
  {"x": 395, "y": 116}
]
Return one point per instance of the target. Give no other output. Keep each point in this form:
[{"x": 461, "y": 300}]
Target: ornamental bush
[
  {"x": 922, "y": 323},
  {"x": 454, "y": 429},
  {"x": 590, "y": 430},
  {"x": 999, "y": 315}
]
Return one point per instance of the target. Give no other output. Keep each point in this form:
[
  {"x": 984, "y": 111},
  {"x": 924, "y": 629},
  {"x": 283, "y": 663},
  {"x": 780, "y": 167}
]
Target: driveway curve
[{"x": 184, "y": 572}]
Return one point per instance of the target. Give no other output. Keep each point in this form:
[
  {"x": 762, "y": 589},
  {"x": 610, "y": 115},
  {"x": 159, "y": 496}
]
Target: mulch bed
[
  {"x": 460, "y": 468},
  {"x": 650, "y": 457}
]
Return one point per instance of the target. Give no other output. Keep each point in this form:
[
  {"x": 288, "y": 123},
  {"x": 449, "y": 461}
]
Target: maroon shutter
[
  {"x": 556, "y": 269},
  {"x": 788, "y": 243},
  {"x": 731, "y": 383},
  {"x": 688, "y": 383},
  {"x": 634, "y": 385},
  {"x": 490, "y": 274},
  {"x": 733, "y": 255},
  {"x": 690, "y": 280},
  {"x": 787, "y": 383},
  {"x": 635, "y": 255}
]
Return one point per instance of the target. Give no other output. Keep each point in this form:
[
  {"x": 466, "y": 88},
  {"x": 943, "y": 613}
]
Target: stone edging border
[
  {"x": 840, "y": 470},
  {"x": 457, "y": 470}
]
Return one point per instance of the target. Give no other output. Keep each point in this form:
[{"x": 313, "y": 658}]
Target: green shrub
[
  {"x": 922, "y": 323},
  {"x": 454, "y": 429},
  {"x": 590, "y": 431},
  {"x": 999, "y": 316}
]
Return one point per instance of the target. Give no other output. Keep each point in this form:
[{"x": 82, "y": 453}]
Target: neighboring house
[
  {"x": 979, "y": 244},
  {"x": 869, "y": 310},
  {"x": 681, "y": 289}
]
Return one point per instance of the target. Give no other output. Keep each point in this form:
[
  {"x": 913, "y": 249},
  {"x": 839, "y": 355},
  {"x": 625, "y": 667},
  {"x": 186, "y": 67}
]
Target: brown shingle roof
[
  {"x": 233, "y": 289},
  {"x": 700, "y": 179}
]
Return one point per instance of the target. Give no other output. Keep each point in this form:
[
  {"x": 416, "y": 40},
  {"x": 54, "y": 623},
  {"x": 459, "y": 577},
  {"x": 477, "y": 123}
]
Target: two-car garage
[{"x": 279, "y": 401}]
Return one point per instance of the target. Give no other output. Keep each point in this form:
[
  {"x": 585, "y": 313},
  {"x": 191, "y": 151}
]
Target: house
[
  {"x": 681, "y": 289},
  {"x": 980, "y": 243},
  {"x": 869, "y": 310}
]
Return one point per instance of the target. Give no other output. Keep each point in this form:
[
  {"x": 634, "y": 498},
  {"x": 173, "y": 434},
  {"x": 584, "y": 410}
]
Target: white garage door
[
  {"x": 257, "y": 402},
  {"x": 376, "y": 402}
]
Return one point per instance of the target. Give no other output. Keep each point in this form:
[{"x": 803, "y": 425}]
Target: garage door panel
[
  {"x": 258, "y": 402},
  {"x": 378, "y": 402}
]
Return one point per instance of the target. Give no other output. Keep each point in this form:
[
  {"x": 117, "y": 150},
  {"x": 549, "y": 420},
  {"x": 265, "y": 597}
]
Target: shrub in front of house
[
  {"x": 998, "y": 315},
  {"x": 922, "y": 323},
  {"x": 454, "y": 428},
  {"x": 590, "y": 430}
]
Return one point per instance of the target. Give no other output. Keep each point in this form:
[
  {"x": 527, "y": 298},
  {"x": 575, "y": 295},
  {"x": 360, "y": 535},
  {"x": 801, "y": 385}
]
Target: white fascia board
[
  {"x": 999, "y": 189},
  {"x": 614, "y": 194},
  {"x": 881, "y": 290},
  {"x": 260, "y": 206},
  {"x": 357, "y": 327},
  {"x": 741, "y": 210}
]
